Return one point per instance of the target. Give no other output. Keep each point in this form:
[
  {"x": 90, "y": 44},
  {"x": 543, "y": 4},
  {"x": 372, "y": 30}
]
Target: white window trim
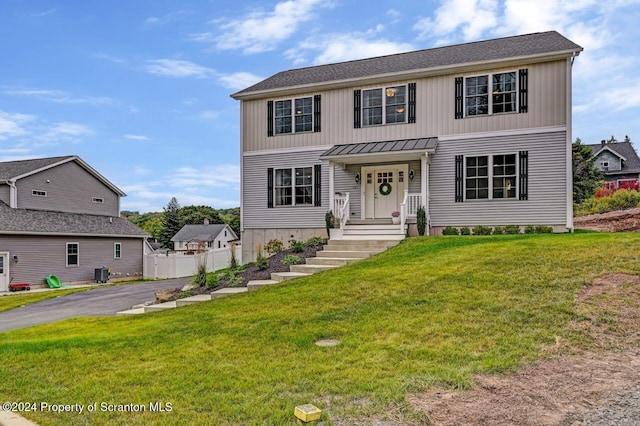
[
  {"x": 490, "y": 177},
  {"x": 293, "y": 116},
  {"x": 115, "y": 250},
  {"x": 98, "y": 200},
  {"x": 489, "y": 93},
  {"x": 384, "y": 105},
  {"x": 66, "y": 255},
  {"x": 293, "y": 187},
  {"x": 38, "y": 193},
  {"x": 604, "y": 163}
]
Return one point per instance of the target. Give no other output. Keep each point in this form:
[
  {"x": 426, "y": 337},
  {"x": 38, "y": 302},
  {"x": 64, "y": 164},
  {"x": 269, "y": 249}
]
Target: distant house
[
  {"x": 205, "y": 236},
  {"x": 618, "y": 161},
  {"x": 60, "y": 216}
]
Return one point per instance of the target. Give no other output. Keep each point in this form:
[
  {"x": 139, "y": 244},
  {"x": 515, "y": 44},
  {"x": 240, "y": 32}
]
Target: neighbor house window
[
  {"x": 294, "y": 115},
  {"x": 490, "y": 177},
  {"x": 605, "y": 164},
  {"x": 38, "y": 193},
  {"x": 384, "y": 106},
  {"x": 491, "y": 94},
  {"x": 97, "y": 200},
  {"x": 117, "y": 250},
  {"x": 294, "y": 186},
  {"x": 73, "y": 254}
]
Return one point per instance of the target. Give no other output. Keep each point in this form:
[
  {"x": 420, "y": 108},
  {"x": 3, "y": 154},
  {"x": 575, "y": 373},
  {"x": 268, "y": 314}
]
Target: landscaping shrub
[
  {"x": 421, "y": 220},
  {"x": 498, "y": 230},
  {"x": 262, "y": 262},
  {"x": 465, "y": 231},
  {"x": 274, "y": 246},
  {"x": 314, "y": 242},
  {"x": 512, "y": 229},
  {"x": 541, "y": 229},
  {"x": 529, "y": 229},
  {"x": 212, "y": 281},
  {"x": 296, "y": 246},
  {"x": 234, "y": 262},
  {"x": 291, "y": 259},
  {"x": 481, "y": 230},
  {"x": 619, "y": 200},
  {"x": 450, "y": 230},
  {"x": 329, "y": 221}
]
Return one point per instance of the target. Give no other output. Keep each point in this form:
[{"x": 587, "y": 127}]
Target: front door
[
  {"x": 4, "y": 272},
  {"x": 384, "y": 190}
]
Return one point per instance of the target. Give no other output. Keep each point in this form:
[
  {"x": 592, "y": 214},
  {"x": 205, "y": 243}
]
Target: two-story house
[
  {"x": 205, "y": 236},
  {"x": 618, "y": 162},
  {"x": 476, "y": 133},
  {"x": 59, "y": 216}
]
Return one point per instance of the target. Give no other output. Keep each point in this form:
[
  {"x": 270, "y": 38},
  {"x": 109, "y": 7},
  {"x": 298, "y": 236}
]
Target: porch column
[
  {"x": 332, "y": 191},
  {"x": 424, "y": 186}
]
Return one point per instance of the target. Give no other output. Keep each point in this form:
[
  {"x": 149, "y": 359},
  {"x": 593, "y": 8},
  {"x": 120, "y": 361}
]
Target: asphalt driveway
[{"x": 99, "y": 301}]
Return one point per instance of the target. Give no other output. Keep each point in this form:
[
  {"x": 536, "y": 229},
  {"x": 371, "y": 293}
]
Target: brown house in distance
[{"x": 59, "y": 216}]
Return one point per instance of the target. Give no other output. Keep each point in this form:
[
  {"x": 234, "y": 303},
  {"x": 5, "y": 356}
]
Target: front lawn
[
  {"x": 431, "y": 312},
  {"x": 12, "y": 301}
]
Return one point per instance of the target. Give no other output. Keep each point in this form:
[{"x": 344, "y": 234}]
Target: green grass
[{"x": 431, "y": 312}]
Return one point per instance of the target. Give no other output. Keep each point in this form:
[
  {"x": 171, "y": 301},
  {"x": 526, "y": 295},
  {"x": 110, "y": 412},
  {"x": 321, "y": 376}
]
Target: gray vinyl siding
[
  {"x": 614, "y": 161},
  {"x": 69, "y": 188},
  {"x": 547, "y": 203},
  {"x": 4, "y": 194},
  {"x": 255, "y": 213},
  {"x": 435, "y": 111},
  {"x": 40, "y": 256}
]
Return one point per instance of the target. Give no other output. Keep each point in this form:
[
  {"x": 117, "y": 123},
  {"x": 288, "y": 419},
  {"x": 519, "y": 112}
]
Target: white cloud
[
  {"x": 61, "y": 97},
  {"x": 221, "y": 175},
  {"x": 261, "y": 31},
  {"x": 209, "y": 115},
  {"x": 177, "y": 68},
  {"x": 136, "y": 137},
  {"x": 239, "y": 80},
  {"x": 169, "y": 17},
  {"x": 13, "y": 124},
  {"x": 110, "y": 58},
  {"x": 64, "y": 132},
  {"x": 471, "y": 17},
  {"x": 343, "y": 47}
]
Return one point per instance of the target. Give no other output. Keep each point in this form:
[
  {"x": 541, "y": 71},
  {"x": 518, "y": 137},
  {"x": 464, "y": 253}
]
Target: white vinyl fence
[{"x": 177, "y": 265}]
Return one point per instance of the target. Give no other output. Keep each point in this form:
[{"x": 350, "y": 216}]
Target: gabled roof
[
  {"x": 43, "y": 222},
  {"x": 530, "y": 46},
  {"x": 15, "y": 170},
  {"x": 624, "y": 150},
  {"x": 201, "y": 232}
]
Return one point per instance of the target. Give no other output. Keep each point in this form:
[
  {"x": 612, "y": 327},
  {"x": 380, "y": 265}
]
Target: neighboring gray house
[
  {"x": 618, "y": 161},
  {"x": 193, "y": 237},
  {"x": 59, "y": 216},
  {"x": 477, "y": 133}
]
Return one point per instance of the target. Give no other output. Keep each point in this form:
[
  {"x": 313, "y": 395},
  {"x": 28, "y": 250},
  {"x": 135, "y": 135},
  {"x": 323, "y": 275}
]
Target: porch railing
[
  {"x": 409, "y": 207},
  {"x": 341, "y": 208}
]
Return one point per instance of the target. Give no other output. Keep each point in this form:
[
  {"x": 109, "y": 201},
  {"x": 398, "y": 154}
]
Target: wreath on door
[{"x": 385, "y": 188}]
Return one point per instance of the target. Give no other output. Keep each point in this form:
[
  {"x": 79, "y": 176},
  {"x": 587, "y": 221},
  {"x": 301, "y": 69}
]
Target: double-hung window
[
  {"x": 491, "y": 94},
  {"x": 293, "y": 116},
  {"x": 490, "y": 177},
  {"x": 117, "y": 250},
  {"x": 294, "y": 187},
  {"x": 384, "y": 106},
  {"x": 73, "y": 254}
]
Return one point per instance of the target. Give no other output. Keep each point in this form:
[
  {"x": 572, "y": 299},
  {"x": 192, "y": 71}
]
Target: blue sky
[{"x": 140, "y": 89}]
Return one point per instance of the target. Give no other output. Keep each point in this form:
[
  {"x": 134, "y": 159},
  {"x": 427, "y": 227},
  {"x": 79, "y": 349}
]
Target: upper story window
[
  {"x": 298, "y": 115},
  {"x": 38, "y": 193},
  {"x": 384, "y": 106},
  {"x": 490, "y": 94}
]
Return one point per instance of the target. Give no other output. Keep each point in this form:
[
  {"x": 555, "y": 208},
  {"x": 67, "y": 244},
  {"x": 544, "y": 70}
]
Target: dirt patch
[
  {"x": 561, "y": 390},
  {"x": 618, "y": 221}
]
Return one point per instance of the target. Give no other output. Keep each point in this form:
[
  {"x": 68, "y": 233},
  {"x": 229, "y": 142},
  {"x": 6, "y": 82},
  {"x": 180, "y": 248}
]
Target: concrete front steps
[
  {"x": 335, "y": 253},
  {"x": 379, "y": 231},
  {"x": 142, "y": 309}
]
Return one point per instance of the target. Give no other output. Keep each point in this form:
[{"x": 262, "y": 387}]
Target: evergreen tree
[
  {"x": 195, "y": 215},
  {"x": 586, "y": 178},
  {"x": 171, "y": 222}
]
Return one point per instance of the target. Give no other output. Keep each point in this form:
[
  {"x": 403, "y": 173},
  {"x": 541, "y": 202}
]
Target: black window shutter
[
  {"x": 269, "y": 188},
  {"x": 270, "y": 118},
  {"x": 357, "y": 113},
  {"x": 316, "y": 113},
  {"x": 317, "y": 185},
  {"x": 459, "y": 178},
  {"x": 524, "y": 87},
  {"x": 412, "y": 103},
  {"x": 459, "y": 98},
  {"x": 523, "y": 192}
]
